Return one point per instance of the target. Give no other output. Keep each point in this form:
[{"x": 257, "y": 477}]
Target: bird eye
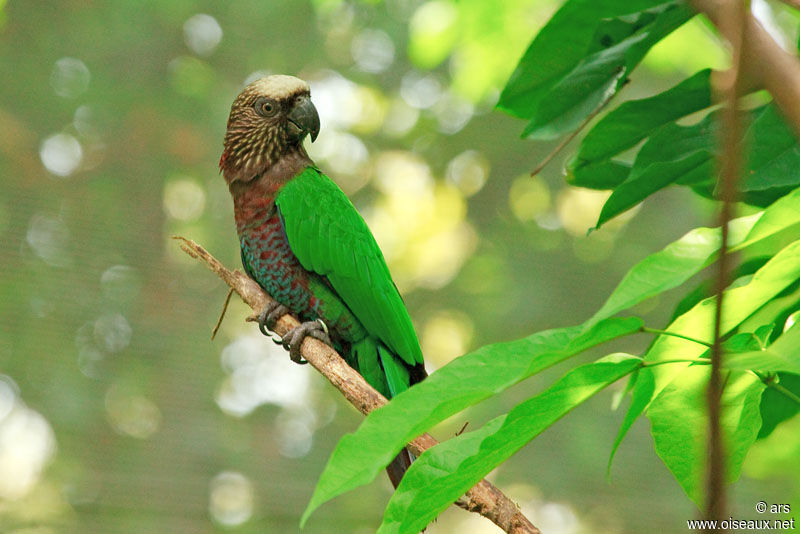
[{"x": 265, "y": 107}]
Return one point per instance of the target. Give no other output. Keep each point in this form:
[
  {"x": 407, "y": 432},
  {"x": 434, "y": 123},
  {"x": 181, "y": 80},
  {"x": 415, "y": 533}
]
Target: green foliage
[
  {"x": 680, "y": 422},
  {"x": 467, "y": 380},
  {"x": 445, "y": 472},
  {"x": 581, "y": 56},
  {"x": 777, "y": 406},
  {"x": 781, "y": 356},
  {"x": 577, "y": 62},
  {"x": 635, "y": 120}
]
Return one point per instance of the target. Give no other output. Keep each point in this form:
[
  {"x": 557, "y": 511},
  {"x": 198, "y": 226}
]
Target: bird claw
[
  {"x": 293, "y": 339},
  {"x": 269, "y": 317}
]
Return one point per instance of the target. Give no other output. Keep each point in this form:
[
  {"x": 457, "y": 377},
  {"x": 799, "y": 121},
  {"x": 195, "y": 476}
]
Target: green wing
[{"x": 329, "y": 237}]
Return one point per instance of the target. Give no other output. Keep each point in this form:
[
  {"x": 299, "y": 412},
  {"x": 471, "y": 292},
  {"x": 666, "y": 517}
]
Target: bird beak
[{"x": 304, "y": 118}]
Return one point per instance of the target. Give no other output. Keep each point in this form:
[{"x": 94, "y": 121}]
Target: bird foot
[
  {"x": 294, "y": 338},
  {"x": 269, "y": 317}
]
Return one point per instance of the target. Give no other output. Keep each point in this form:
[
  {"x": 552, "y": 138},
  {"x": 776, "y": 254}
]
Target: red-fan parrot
[{"x": 306, "y": 245}]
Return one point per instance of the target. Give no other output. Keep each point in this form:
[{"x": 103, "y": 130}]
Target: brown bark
[
  {"x": 484, "y": 498},
  {"x": 764, "y": 64}
]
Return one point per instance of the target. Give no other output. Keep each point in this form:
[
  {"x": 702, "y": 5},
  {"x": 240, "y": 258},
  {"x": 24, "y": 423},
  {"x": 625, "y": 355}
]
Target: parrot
[{"x": 307, "y": 246}]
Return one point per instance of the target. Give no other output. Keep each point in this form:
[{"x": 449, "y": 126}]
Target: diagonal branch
[
  {"x": 764, "y": 64},
  {"x": 484, "y": 498}
]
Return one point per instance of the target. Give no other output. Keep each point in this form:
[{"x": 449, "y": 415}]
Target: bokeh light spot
[
  {"x": 70, "y": 77},
  {"x": 337, "y": 100},
  {"x": 230, "y": 498},
  {"x": 190, "y": 76},
  {"x": 61, "y": 154},
  {"x": 432, "y": 33},
  {"x": 420, "y": 91},
  {"x": 258, "y": 374},
  {"x": 131, "y": 414},
  {"x": 112, "y": 332},
  {"x": 8, "y": 395},
  {"x": 372, "y": 50},
  {"x": 446, "y": 335},
  {"x": 529, "y": 198},
  {"x": 295, "y": 431},
  {"x": 400, "y": 118},
  {"x": 556, "y": 517},
  {"x": 468, "y": 171},
  {"x": 27, "y": 443},
  {"x": 48, "y": 237},
  {"x": 579, "y": 208},
  {"x": 184, "y": 199},
  {"x": 202, "y": 34},
  {"x": 343, "y": 153},
  {"x": 452, "y": 112},
  {"x": 120, "y": 283}
]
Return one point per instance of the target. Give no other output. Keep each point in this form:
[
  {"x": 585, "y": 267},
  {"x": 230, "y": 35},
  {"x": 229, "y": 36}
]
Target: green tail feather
[
  {"x": 383, "y": 370},
  {"x": 395, "y": 370}
]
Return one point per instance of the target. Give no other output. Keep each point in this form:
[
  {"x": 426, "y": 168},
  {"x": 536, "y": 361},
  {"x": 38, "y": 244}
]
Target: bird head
[{"x": 269, "y": 119}]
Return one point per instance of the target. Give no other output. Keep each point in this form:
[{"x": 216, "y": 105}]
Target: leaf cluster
[{"x": 579, "y": 60}]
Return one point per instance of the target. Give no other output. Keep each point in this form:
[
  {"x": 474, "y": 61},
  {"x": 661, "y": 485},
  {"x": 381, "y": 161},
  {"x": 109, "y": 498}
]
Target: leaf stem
[
  {"x": 769, "y": 381},
  {"x": 786, "y": 393},
  {"x": 649, "y": 330},
  {"x": 704, "y": 361}
]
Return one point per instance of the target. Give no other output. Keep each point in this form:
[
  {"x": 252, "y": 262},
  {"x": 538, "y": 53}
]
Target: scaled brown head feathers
[{"x": 268, "y": 121}]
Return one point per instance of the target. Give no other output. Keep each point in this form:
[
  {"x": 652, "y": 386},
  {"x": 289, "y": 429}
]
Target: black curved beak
[{"x": 304, "y": 118}]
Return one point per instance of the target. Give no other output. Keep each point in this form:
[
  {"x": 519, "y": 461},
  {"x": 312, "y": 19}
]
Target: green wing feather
[{"x": 329, "y": 237}]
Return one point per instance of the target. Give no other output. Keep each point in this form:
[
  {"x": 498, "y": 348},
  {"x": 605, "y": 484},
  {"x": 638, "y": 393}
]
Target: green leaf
[
  {"x": 679, "y": 419},
  {"x": 686, "y": 155},
  {"x": 698, "y": 323},
  {"x": 641, "y": 396},
  {"x": 774, "y": 154},
  {"x": 776, "y": 406},
  {"x": 673, "y": 153},
  {"x": 557, "y": 48},
  {"x": 445, "y": 472},
  {"x": 780, "y": 222},
  {"x": 682, "y": 259},
  {"x": 465, "y": 381},
  {"x": 677, "y": 262},
  {"x": 781, "y": 356},
  {"x": 603, "y": 174},
  {"x": 740, "y": 274},
  {"x": 739, "y": 302},
  {"x": 641, "y": 183},
  {"x": 763, "y": 334},
  {"x": 633, "y": 121},
  {"x": 618, "y": 46},
  {"x": 742, "y": 342}
]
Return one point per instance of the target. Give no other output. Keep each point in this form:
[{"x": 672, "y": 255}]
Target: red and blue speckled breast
[{"x": 268, "y": 258}]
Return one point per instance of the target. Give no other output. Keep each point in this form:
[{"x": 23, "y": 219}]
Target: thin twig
[
  {"x": 484, "y": 498},
  {"x": 564, "y": 142},
  {"x": 221, "y": 314},
  {"x": 733, "y": 25}
]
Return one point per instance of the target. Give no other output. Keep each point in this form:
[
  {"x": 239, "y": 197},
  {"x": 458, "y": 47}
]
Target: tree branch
[
  {"x": 484, "y": 498},
  {"x": 746, "y": 37},
  {"x": 764, "y": 64}
]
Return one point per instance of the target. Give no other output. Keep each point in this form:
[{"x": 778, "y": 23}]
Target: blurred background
[{"x": 119, "y": 414}]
